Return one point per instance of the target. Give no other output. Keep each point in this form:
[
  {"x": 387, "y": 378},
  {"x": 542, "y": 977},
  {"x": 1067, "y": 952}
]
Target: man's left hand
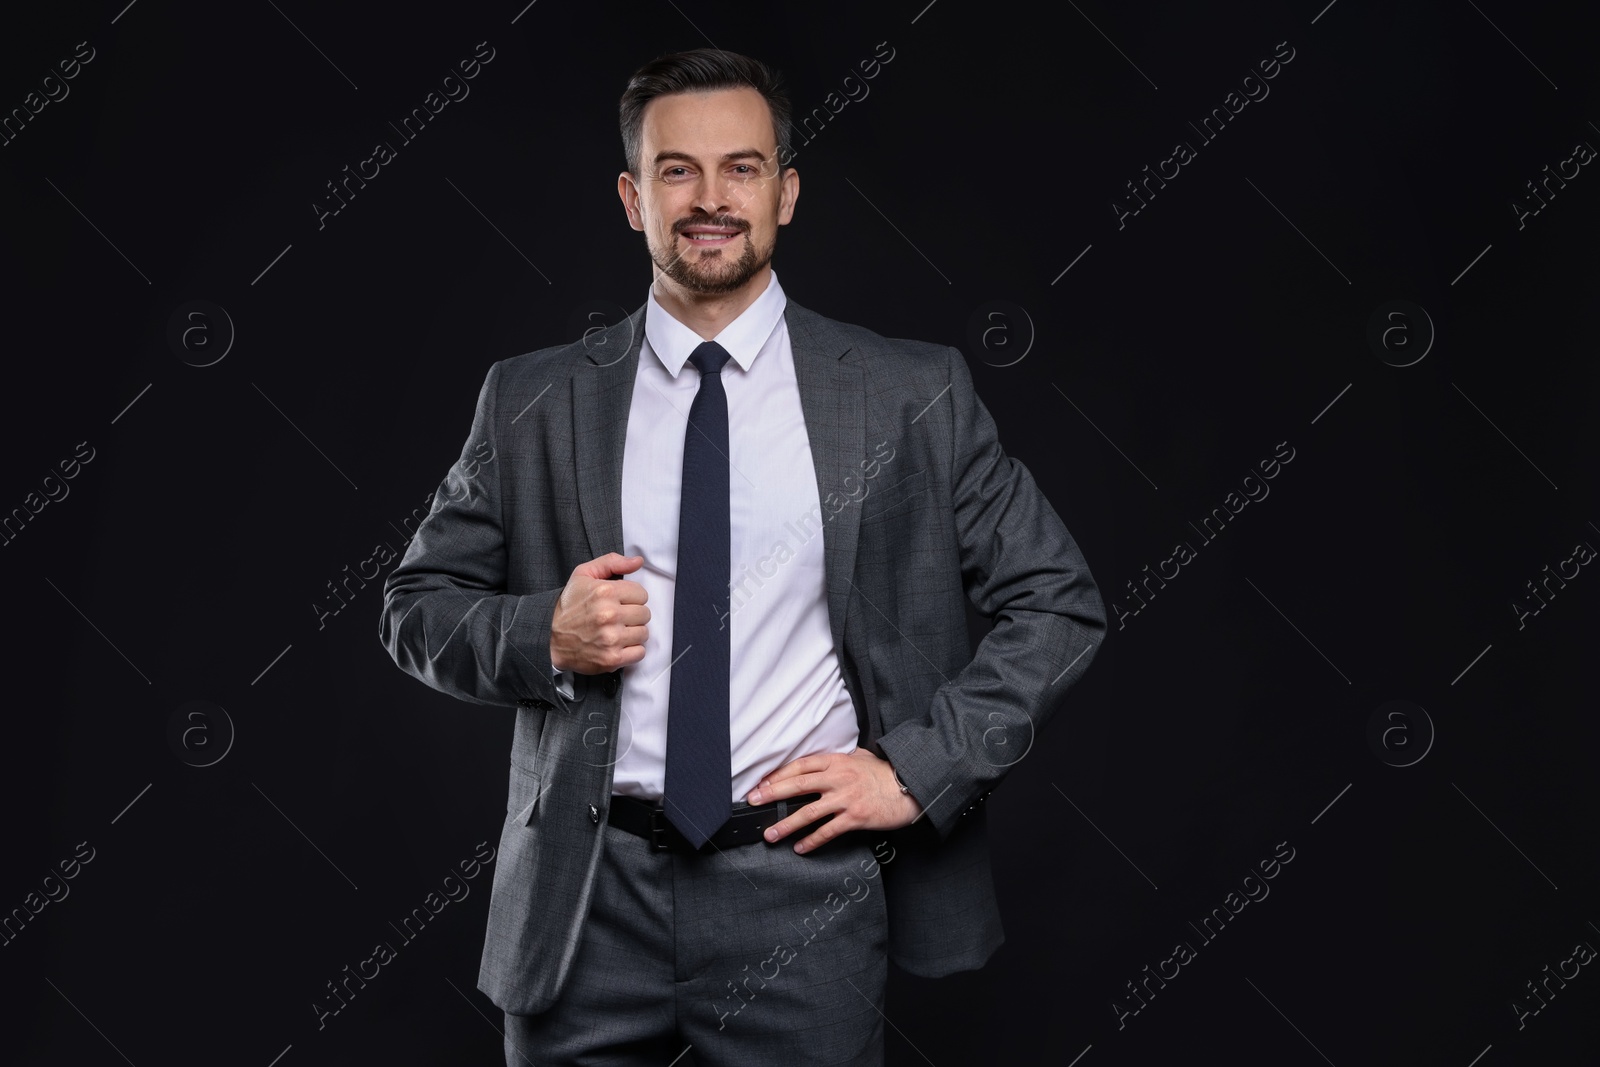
[{"x": 858, "y": 789}]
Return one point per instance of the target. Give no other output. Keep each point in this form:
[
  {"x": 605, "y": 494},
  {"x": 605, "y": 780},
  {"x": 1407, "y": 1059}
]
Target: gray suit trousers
[{"x": 749, "y": 955}]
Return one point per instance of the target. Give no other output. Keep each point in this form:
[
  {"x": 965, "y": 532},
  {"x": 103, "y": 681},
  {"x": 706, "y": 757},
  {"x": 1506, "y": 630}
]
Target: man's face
[{"x": 708, "y": 197}]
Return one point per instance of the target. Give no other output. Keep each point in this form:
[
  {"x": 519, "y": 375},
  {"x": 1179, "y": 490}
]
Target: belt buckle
[{"x": 659, "y": 827}]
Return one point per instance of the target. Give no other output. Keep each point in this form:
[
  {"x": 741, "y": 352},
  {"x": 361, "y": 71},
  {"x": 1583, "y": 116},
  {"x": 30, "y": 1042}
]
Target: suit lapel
[
  {"x": 832, "y": 399},
  {"x": 602, "y": 393}
]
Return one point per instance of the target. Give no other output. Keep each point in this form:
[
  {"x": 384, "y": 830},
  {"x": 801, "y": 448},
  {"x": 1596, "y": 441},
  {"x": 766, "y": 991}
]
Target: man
[{"x": 718, "y": 556}]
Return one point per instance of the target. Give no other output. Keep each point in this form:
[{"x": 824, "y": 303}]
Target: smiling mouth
[{"x": 710, "y": 237}]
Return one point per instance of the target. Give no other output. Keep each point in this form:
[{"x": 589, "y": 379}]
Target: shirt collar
[{"x": 743, "y": 338}]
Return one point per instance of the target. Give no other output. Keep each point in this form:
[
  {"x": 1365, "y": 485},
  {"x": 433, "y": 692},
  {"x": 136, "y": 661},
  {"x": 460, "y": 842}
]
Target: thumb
[{"x": 612, "y": 563}]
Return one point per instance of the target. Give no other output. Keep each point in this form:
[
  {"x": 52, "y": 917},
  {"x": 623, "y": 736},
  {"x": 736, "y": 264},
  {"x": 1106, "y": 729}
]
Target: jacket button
[
  {"x": 594, "y": 814},
  {"x": 613, "y": 683}
]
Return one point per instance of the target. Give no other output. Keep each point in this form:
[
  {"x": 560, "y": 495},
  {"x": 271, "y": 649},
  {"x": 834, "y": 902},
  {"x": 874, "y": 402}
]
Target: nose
[{"x": 712, "y": 194}]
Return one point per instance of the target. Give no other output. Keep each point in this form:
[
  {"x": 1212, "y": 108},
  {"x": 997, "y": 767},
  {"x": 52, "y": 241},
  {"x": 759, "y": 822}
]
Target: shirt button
[{"x": 594, "y": 814}]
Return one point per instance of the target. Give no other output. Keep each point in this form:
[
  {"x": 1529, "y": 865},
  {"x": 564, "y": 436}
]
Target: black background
[{"x": 1228, "y": 716}]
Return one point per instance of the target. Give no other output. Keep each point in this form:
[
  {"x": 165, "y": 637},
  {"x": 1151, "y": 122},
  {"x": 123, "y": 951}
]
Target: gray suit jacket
[{"x": 921, "y": 513}]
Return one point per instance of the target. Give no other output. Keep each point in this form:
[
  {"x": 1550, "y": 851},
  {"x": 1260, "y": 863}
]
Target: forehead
[{"x": 710, "y": 122}]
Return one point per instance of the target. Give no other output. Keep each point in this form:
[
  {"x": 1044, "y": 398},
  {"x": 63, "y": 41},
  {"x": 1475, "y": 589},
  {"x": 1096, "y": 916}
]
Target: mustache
[{"x": 719, "y": 221}]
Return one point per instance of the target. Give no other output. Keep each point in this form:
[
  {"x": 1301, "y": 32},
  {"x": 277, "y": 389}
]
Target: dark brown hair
[{"x": 700, "y": 70}]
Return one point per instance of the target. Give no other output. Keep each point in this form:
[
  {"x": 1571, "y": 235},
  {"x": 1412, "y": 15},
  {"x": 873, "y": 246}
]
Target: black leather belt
[{"x": 648, "y": 819}]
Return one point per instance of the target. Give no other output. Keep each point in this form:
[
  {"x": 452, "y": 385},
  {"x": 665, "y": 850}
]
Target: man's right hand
[{"x": 599, "y": 624}]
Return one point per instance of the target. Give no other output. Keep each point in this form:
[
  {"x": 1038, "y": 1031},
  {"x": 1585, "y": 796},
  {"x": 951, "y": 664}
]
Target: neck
[{"x": 707, "y": 314}]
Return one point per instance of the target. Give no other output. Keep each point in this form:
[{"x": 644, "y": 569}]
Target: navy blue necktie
[{"x": 699, "y": 762}]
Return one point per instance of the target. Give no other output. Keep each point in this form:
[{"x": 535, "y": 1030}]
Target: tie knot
[{"x": 709, "y": 358}]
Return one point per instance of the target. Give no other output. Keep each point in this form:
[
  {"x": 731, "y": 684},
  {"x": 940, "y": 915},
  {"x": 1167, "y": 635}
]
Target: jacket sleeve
[
  {"x": 447, "y": 618},
  {"x": 1021, "y": 567}
]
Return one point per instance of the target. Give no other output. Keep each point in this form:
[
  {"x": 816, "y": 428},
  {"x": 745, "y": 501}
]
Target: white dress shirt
[{"x": 787, "y": 696}]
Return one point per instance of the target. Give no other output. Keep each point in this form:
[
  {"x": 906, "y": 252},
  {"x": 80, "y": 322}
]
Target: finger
[
  {"x": 803, "y": 765},
  {"x": 634, "y": 635},
  {"x": 825, "y": 833},
  {"x": 795, "y": 820},
  {"x": 792, "y": 786},
  {"x": 607, "y": 565},
  {"x": 628, "y": 592},
  {"x": 631, "y": 615},
  {"x": 613, "y": 638}
]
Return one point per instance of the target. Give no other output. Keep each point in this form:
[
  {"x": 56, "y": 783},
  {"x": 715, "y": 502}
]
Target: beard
[{"x": 712, "y": 272}]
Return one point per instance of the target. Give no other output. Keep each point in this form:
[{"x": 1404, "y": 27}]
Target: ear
[
  {"x": 628, "y": 190},
  {"x": 788, "y": 193}
]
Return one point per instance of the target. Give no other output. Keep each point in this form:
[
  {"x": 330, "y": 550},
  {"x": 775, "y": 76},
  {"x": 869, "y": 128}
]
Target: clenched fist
[{"x": 599, "y": 622}]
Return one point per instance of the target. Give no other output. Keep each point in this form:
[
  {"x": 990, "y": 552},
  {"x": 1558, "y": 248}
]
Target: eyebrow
[{"x": 728, "y": 157}]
